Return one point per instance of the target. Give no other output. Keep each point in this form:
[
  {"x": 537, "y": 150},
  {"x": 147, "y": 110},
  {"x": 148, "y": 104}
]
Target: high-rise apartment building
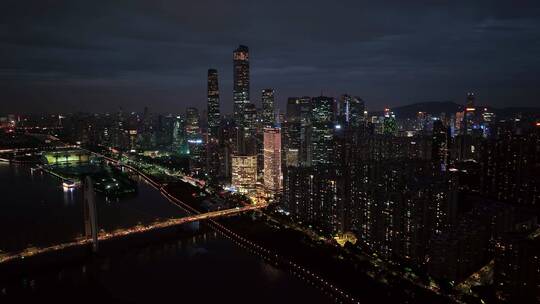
[
  {"x": 272, "y": 159},
  {"x": 213, "y": 112}
]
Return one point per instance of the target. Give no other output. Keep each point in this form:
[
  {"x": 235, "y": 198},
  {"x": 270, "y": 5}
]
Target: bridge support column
[{"x": 90, "y": 213}]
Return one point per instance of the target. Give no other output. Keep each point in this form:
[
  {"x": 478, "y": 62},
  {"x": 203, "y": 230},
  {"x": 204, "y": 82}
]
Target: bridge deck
[{"x": 128, "y": 231}]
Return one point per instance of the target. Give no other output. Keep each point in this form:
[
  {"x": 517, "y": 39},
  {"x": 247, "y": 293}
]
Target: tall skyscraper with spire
[
  {"x": 241, "y": 83},
  {"x": 213, "y": 113}
]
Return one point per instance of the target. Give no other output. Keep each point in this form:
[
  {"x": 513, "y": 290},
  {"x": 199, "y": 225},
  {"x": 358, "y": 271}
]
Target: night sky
[{"x": 101, "y": 55}]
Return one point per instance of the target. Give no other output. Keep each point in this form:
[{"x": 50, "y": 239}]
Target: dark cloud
[{"x": 99, "y": 55}]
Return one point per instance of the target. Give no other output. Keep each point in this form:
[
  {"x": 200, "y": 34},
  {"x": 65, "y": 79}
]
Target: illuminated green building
[{"x": 67, "y": 157}]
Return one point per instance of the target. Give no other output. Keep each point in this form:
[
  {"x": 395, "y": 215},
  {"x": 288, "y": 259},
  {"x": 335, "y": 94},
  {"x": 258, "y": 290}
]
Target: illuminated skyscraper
[
  {"x": 297, "y": 132},
  {"x": 192, "y": 123},
  {"x": 214, "y": 124},
  {"x": 241, "y": 83},
  {"x": 322, "y": 131},
  {"x": 351, "y": 110},
  {"x": 306, "y": 114},
  {"x": 250, "y": 119},
  {"x": 292, "y": 133},
  {"x": 389, "y": 122},
  {"x": 194, "y": 138},
  {"x": 272, "y": 159},
  {"x": 179, "y": 142},
  {"x": 293, "y": 109},
  {"x": 468, "y": 115},
  {"x": 213, "y": 104},
  {"x": 268, "y": 111},
  {"x": 467, "y": 141},
  {"x": 439, "y": 143},
  {"x": 244, "y": 173}
]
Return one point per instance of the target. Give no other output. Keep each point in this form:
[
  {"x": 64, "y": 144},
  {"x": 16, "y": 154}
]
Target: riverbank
[{"x": 344, "y": 269}]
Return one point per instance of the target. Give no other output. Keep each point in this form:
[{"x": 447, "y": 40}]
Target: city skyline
[
  {"x": 270, "y": 152},
  {"x": 158, "y": 56}
]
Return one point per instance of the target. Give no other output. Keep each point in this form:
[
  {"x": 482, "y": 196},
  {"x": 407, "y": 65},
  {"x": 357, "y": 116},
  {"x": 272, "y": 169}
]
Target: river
[{"x": 201, "y": 266}]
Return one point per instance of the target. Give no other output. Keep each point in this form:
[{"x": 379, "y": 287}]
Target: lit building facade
[
  {"x": 517, "y": 267},
  {"x": 250, "y": 119},
  {"x": 241, "y": 83},
  {"x": 351, "y": 111},
  {"x": 440, "y": 143},
  {"x": 268, "y": 111},
  {"x": 272, "y": 160},
  {"x": 194, "y": 139},
  {"x": 213, "y": 112},
  {"x": 213, "y": 143},
  {"x": 179, "y": 141},
  {"x": 291, "y": 128},
  {"x": 322, "y": 126},
  {"x": 510, "y": 166},
  {"x": 244, "y": 173},
  {"x": 389, "y": 123}
]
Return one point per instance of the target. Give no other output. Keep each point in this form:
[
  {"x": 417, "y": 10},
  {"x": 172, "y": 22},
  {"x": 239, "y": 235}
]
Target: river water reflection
[{"x": 34, "y": 210}]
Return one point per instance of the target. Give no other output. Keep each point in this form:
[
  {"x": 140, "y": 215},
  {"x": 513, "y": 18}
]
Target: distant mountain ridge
[
  {"x": 431, "y": 107},
  {"x": 450, "y": 107}
]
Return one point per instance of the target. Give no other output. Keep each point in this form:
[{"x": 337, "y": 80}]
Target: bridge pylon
[{"x": 90, "y": 213}]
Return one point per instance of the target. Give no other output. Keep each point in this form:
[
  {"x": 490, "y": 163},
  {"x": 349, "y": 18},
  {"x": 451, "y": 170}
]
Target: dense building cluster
[
  {"x": 448, "y": 192},
  {"x": 434, "y": 191}
]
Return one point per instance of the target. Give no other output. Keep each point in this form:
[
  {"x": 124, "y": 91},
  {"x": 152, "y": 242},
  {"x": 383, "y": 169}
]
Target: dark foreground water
[
  {"x": 198, "y": 266},
  {"x": 36, "y": 211}
]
